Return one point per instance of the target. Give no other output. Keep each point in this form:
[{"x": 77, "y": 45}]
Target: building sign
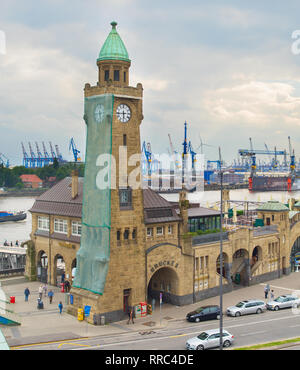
[
  {"x": 164, "y": 264},
  {"x": 66, "y": 245}
]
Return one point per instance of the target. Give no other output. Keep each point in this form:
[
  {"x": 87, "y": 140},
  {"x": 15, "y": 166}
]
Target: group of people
[
  {"x": 268, "y": 290},
  {"x": 7, "y": 244},
  {"x": 43, "y": 291}
]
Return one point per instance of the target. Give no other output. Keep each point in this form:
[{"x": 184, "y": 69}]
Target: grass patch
[{"x": 270, "y": 344}]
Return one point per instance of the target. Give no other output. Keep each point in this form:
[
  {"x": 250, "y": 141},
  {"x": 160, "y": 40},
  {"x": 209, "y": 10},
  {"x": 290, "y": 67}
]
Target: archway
[
  {"x": 256, "y": 255},
  {"x": 164, "y": 282},
  {"x": 59, "y": 269},
  {"x": 295, "y": 254},
  {"x": 42, "y": 267},
  {"x": 224, "y": 265},
  {"x": 73, "y": 269},
  {"x": 240, "y": 269}
]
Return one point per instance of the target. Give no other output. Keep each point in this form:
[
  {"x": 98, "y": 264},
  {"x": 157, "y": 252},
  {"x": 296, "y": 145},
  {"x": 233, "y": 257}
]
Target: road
[{"x": 247, "y": 330}]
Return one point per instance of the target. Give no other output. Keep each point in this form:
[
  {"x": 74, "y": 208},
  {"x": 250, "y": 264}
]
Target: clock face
[
  {"x": 123, "y": 113},
  {"x": 99, "y": 113}
]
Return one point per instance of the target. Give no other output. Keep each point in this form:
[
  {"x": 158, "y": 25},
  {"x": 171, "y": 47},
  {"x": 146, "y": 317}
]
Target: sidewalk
[{"x": 48, "y": 325}]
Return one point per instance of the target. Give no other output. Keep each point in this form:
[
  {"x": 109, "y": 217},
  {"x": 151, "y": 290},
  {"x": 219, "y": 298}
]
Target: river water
[{"x": 12, "y": 231}]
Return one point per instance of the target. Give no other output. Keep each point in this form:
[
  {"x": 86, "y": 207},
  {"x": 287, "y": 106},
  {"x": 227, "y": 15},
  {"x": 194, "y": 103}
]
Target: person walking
[
  {"x": 60, "y": 306},
  {"x": 45, "y": 288},
  {"x": 50, "y": 295},
  {"x": 272, "y": 295},
  {"x": 130, "y": 315},
  {"x": 27, "y": 293},
  {"x": 266, "y": 290},
  {"x": 41, "y": 292}
]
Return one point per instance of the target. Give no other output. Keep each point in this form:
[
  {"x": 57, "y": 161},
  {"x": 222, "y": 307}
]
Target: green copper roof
[
  {"x": 113, "y": 47},
  {"x": 273, "y": 205}
]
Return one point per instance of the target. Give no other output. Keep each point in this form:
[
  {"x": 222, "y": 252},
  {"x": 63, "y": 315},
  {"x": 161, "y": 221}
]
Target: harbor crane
[
  {"x": 72, "y": 146},
  {"x": 4, "y": 161}
]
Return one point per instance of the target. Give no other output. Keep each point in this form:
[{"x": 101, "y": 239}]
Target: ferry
[{"x": 12, "y": 216}]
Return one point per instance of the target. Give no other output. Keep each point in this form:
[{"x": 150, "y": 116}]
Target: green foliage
[{"x": 10, "y": 177}]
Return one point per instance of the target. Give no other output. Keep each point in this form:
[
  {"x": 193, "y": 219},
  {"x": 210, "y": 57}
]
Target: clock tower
[{"x": 111, "y": 259}]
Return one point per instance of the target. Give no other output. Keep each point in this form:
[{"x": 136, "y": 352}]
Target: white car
[
  {"x": 209, "y": 339},
  {"x": 283, "y": 301}
]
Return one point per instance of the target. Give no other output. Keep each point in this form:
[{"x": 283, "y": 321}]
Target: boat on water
[
  {"x": 274, "y": 183},
  {"x": 12, "y": 216}
]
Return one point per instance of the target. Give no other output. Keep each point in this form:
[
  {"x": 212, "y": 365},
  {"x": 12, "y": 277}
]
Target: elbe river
[{"x": 12, "y": 231}]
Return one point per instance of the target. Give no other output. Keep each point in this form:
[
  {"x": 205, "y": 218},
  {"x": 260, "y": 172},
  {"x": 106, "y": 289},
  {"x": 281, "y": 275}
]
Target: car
[
  {"x": 209, "y": 339},
  {"x": 283, "y": 301},
  {"x": 204, "y": 313},
  {"x": 246, "y": 307}
]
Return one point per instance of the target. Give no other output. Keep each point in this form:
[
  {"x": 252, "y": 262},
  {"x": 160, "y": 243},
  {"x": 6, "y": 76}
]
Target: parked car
[
  {"x": 209, "y": 339},
  {"x": 204, "y": 313},
  {"x": 283, "y": 301},
  {"x": 246, "y": 307}
]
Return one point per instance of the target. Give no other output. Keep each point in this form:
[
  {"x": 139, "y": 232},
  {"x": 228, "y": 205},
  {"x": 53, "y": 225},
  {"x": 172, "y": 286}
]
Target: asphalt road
[{"x": 247, "y": 330}]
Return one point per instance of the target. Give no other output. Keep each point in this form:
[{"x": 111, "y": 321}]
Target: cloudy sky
[{"x": 230, "y": 69}]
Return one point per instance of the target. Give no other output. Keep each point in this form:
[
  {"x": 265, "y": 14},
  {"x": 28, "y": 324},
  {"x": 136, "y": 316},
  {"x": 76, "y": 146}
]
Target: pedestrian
[
  {"x": 272, "y": 295},
  {"x": 45, "y": 290},
  {"x": 63, "y": 277},
  {"x": 266, "y": 290},
  {"x": 17, "y": 243},
  {"x": 41, "y": 292},
  {"x": 50, "y": 295},
  {"x": 40, "y": 304},
  {"x": 60, "y": 306},
  {"x": 27, "y": 293},
  {"x": 67, "y": 286},
  {"x": 130, "y": 315},
  {"x": 11, "y": 244}
]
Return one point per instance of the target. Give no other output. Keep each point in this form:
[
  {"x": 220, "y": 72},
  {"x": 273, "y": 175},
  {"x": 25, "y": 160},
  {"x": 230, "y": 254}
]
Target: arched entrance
[
  {"x": 164, "y": 281},
  {"x": 240, "y": 269},
  {"x": 42, "y": 267},
  {"x": 73, "y": 269},
  {"x": 224, "y": 265},
  {"x": 59, "y": 269},
  {"x": 295, "y": 254}
]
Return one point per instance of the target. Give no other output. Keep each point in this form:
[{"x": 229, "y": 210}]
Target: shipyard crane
[
  {"x": 46, "y": 155},
  {"x": 53, "y": 155},
  {"x": 4, "y": 161},
  {"x": 33, "y": 159},
  {"x": 26, "y": 159},
  {"x": 75, "y": 151},
  {"x": 148, "y": 155},
  {"x": 174, "y": 153},
  {"x": 292, "y": 158},
  {"x": 40, "y": 160}
]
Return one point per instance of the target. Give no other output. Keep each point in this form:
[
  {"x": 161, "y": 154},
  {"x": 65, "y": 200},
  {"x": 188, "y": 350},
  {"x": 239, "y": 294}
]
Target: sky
[{"x": 230, "y": 69}]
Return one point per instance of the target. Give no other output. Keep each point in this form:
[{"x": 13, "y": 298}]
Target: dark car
[{"x": 204, "y": 313}]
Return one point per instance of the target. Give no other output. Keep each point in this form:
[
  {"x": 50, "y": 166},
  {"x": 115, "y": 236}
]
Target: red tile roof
[{"x": 30, "y": 178}]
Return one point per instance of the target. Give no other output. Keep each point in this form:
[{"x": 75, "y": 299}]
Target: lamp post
[{"x": 221, "y": 254}]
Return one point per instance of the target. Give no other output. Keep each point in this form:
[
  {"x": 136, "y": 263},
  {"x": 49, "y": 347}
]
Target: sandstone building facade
[{"x": 151, "y": 250}]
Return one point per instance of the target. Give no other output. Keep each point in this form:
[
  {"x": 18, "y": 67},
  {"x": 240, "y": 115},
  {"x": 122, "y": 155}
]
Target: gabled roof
[
  {"x": 30, "y": 178},
  {"x": 274, "y": 206}
]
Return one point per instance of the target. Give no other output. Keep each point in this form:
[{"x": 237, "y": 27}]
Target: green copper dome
[{"x": 113, "y": 47}]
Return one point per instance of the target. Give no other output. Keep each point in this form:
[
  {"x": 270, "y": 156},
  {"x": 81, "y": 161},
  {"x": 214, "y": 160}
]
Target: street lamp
[{"x": 221, "y": 253}]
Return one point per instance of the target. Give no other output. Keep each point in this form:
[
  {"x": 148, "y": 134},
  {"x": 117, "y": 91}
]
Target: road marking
[
  {"x": 179, "y": 335},
  {"x": 253, "y": 333},
  {"x": 74, "y": 344}
]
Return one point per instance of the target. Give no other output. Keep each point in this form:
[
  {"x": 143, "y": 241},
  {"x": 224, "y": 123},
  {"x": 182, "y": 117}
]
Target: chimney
[{"x": 74, "y": 184}]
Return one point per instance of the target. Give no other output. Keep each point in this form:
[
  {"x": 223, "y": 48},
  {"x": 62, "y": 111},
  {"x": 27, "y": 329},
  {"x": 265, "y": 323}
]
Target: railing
[{"x": 209, "y": 238}]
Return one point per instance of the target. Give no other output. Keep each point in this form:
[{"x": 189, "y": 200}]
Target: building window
[
  {"x": 170, "y": 229},
  {"x": 149, "y": 231},
  {"x": 124, "y": 140},
  {"x": 106, "y": 75},
  {"x": 76, "y": 228},
  {"x": 126, "y": 234},
  {"x": 60, "y": 226},
  {"x": 43, "y": 223},
  {"x": 159, "y": 230},
  {"x": 118, "y": 235},
  {"x": 124, "y": 76},
  {"x": 117, "y": 75},
  {"x": 134, "y": 234},
  {"x": 125, "y": 198}
]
